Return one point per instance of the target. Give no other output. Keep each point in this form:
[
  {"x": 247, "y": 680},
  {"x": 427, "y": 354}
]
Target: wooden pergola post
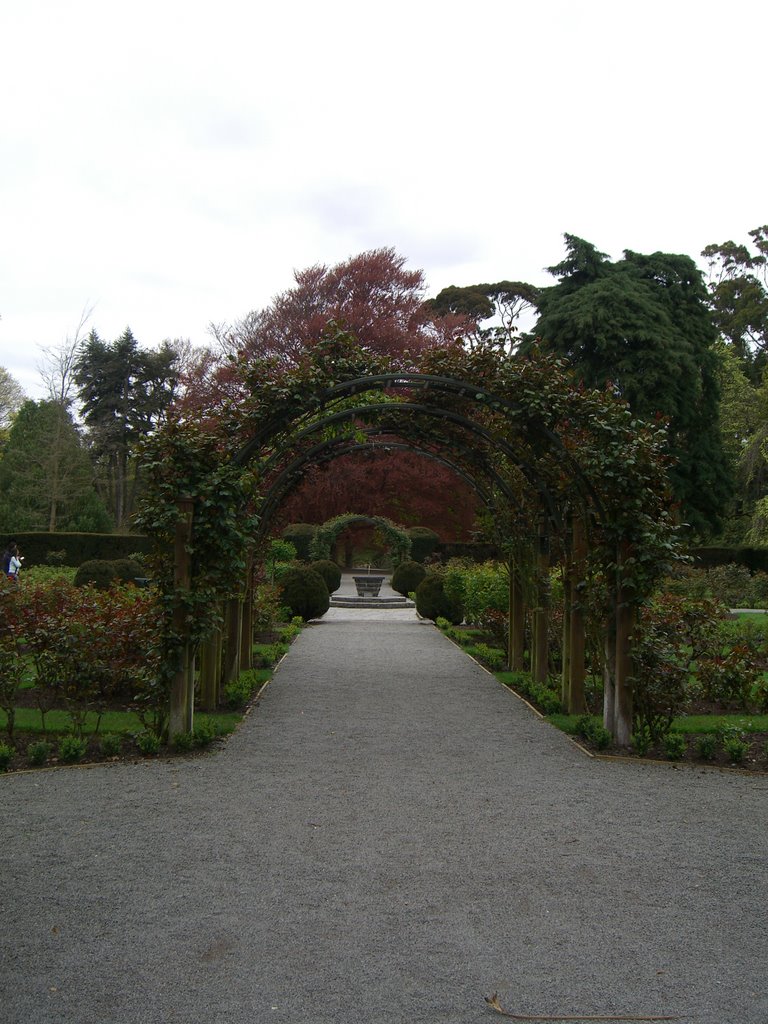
[
  {"x": 246, "y": 637},
  {"x": 210, "y": 671},
  {"x": 567, "y": 573},
  {"x": 233, "y": 632},
  {"x": 565, "y": 675},
  {"x": 516, "y": 644},
  {"x": 577, "y": 704},
  {"x": 625, "y": 622},
  {"x": 217, "y": 653},
  {"x": 609, "y": 674},
  {"x": 540, "y": 652},
  {"x": 181, "y": 711}
]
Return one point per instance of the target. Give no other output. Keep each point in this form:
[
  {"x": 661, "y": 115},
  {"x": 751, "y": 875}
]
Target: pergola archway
[
  {"x": 327, "y": 534},
  {"x": 562, "y": 470}
]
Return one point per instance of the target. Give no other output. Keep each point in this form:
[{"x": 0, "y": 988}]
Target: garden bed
[
  {"x": 717, "y": 740},
  {"x": 115, "y": 733},
  {"x": 723, "y": 735}
]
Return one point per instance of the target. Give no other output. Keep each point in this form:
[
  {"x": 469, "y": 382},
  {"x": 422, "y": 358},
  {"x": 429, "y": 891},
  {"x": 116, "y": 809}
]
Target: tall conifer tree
[
  {"x": 46, "y": 476},
  {"x": 642, "y": 325}
]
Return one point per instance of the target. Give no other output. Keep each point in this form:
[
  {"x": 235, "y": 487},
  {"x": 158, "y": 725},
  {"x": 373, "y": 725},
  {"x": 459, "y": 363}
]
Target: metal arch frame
[
  {"x": 435, "y": 413},
  {"x": 470, "y": 455},
  {"x": 380, "y": 382},
  {"x": 291, "y": 475},
  {"x": 451, "y": 385}
]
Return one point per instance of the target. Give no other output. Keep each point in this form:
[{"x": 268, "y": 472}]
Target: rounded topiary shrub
[
  {"x": 407, "y": 576},
  {"x": 432, "y": 602},
  {"x": 423, "y": 542},
  {"x": 305, "y": 593},
  {"x": 97, "y": 572},
  {"x": 126, "y": 570},
  {"x": 330, "y": 572},
  {"x": 301, "y": 536}
]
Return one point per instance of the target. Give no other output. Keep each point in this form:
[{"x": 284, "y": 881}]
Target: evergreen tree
[
  {"x": 12, "y": 397},
  {"x": 642, "y": 325},
  {"x": 491, "y": 311},
  {"x": 123, "y": 390},
  {"x": 738, "y": 291},
  {"x": 46, "y": 477}
]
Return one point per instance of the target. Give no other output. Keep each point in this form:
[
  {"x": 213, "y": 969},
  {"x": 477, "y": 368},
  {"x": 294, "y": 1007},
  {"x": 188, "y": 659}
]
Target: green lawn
[
  {"x": 124, "y": 722},
  {"x": 697, "y": 724},
  {"x": 688, "y": 724}
]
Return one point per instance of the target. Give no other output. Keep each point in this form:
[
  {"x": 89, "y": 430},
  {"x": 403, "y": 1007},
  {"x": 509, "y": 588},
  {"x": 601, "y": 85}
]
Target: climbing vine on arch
[{"x": 326, "y": 536}]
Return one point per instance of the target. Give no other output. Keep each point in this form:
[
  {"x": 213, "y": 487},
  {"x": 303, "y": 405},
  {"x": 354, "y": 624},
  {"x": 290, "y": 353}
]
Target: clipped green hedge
[
  {"x": 97, "y": 573},
  {"x": 79, "y": 547},
  {"x": 330, "y": 572},
  {"x": 127, "y": 570},
  {"x": 305, "y": 593},
  {"x": 477, "y": 552},
  {"x": 755, "y": 559},
  {"x": 432, "y": 602},
  {"x": 407, "y": 576},
  {"x": 423, "y": 542},
  {"x": 301, "y": 536}
]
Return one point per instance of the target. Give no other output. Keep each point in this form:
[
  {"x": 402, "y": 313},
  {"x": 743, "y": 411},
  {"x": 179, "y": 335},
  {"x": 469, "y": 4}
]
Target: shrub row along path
[{"x": 390, "y": 836}]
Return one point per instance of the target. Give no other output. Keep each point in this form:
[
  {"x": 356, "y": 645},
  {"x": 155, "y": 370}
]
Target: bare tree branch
[{"x": 58, "y": 363}]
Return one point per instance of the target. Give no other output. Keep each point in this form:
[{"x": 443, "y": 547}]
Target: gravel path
[{"x": 389, "y": 837}]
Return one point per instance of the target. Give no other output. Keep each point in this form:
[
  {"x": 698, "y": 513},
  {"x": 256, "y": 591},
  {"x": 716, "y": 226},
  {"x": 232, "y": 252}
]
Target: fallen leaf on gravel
[{"x": 494, "y": 1004}]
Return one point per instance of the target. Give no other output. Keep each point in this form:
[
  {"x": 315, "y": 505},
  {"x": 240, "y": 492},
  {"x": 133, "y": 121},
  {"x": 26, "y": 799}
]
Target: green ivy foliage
[{"x": 325, "y": 536}]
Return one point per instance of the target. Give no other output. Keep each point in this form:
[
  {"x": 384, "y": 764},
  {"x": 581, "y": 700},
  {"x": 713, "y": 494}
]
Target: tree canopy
[
  {"x": 396, "y": 484},
  {"x": 12, "y": 397},
  {"x": 46, "y": 476},
  {"x": 641, "y": 325},
  {"x": 373, "y": 294},
  {"x": 491, "y": 310},
  {"x": 738, "y": 288},
  {"x": 124, "y": 390}
]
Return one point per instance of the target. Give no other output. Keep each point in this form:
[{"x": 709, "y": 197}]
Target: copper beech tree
[
  {"x": 375, "y": 296},
  {"x": 382, "y": 303},
  {"x": 397, "y": 484}
]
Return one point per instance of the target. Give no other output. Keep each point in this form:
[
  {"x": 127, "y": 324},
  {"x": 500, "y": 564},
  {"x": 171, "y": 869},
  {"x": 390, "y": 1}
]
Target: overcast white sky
[{"x": 171, "y": 163}]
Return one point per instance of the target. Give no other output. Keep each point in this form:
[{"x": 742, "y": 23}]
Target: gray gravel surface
[{"x": 390, "y": 836}]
